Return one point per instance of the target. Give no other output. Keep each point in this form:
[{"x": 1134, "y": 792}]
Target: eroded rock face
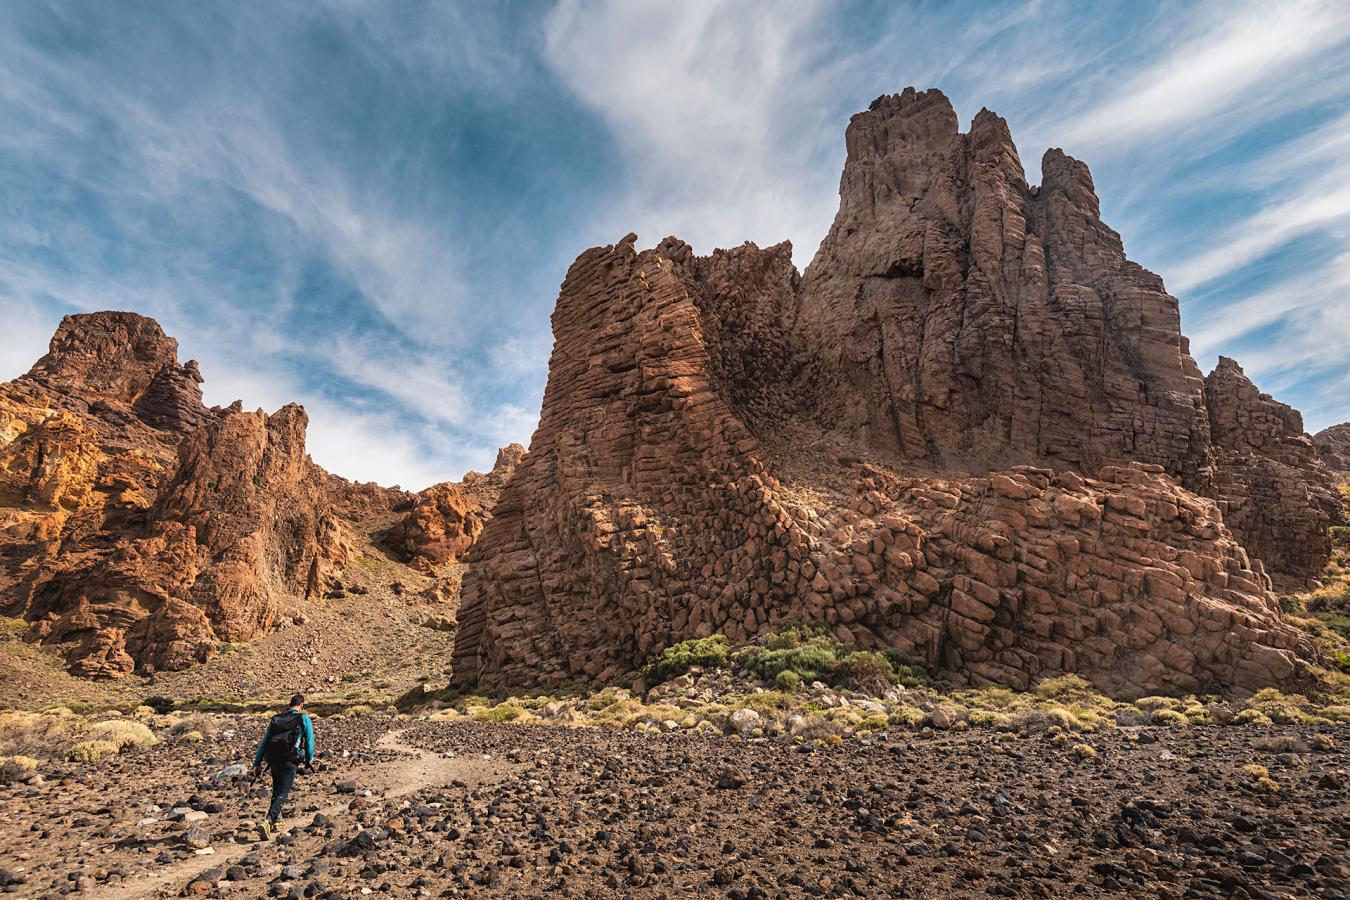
[
  {"x": 972, "y": 431},
  {"x": 1277, "y": 496},
  {"x": 446, "y": 519},
  {"x": 241, "y": 527},
  {"x": 141, "y": 529},
  {"x": 970, "y": 321},
  {"x": 1333, "y": 444}
]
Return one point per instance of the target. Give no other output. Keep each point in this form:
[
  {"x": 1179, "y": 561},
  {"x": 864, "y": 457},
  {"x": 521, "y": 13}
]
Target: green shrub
[
  {"x": 1066, "y": 687},
  {"x": 1252, "y": 717},
  {"x": 813, "y": 658},
  {"x": 708, "y": 652},
  {"x": 787, "y": 680},
  {"x": 908, "y": 716},
  {"x": 908, "y": 671},
  {"x": 502, "y": 712},
  {"x": 1168, "y": 717},
  {"x": 91, "y": 751},
  {"x": 864, "y": 670}
]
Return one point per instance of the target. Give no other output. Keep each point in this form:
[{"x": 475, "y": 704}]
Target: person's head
[{"x": 297, "y": 701}]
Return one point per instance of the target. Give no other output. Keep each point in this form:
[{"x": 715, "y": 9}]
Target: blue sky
[{"x": 368, "y": 207}]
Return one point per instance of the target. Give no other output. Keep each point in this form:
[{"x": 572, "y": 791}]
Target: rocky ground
[{"x": 430, "y": 808}]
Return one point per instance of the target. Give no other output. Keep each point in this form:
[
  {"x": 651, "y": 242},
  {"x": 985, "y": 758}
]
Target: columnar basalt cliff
[
  {"x": 141, "y": 529},
  {"x": 972, "y": 430}
]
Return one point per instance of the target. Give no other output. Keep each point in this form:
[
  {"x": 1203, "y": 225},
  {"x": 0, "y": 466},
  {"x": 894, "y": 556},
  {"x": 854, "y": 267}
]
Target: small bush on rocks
[
  {"x": 122, "y": 733},
  {"x": 1252, "y": 717},
  {"x": 1151, "y": 704},
  {"x": 908, "y": 716},
  {"x": 764, "y": 702},
  {"x": 867, "y": 671},
  {"x": 908, "y": 672},
  {"x": 1280, "y": 743},
  {"x": 1168, "y": 717},
  {"x": 91, "y": 751},
  {"x": 787, "y": 680},
  {"x": 813, "y": 658},
  {"x": 1084, "y": 751},
  {"x": 502, "y": 712},
  {"x": 45, "y": 735},
  {"x": 708, "y": 652},
  {"x": 1065, "y": 687}
]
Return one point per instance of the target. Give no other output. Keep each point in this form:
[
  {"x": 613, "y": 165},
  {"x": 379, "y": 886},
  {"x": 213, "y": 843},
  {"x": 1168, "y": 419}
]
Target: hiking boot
[
  {"x": 264, "y": 831},
  {"x": 278, "y": 826}
]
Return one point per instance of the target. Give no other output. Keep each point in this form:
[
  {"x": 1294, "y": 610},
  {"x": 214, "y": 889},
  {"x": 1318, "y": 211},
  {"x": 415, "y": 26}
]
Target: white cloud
[
  {"x": 703, "y": 96},
  {"x": 419, "y": 382},
  {"x": 1229, "y": 61}
]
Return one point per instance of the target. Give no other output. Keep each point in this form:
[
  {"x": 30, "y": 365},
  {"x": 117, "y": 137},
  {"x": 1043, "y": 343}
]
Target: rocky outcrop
[
  {"x": 241, "y": 527},
  {"x": 972, "y": 431},
  {"x": 139, "y": 529},
  {"x": 1276, "y": 495},
  {"x": 965, "y": 319},
  {"x": 1333, "y": 445},
  {"x": 446, "y": 519}
]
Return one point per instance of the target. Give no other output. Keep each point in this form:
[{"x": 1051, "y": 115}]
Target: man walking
[{"x": 288, "y": 743}]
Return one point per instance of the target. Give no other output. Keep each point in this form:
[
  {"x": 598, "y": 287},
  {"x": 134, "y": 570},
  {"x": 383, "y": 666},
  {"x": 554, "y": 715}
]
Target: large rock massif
[
  {"x": 972, "y": 430},
  {"x": 139, "y": 530}
]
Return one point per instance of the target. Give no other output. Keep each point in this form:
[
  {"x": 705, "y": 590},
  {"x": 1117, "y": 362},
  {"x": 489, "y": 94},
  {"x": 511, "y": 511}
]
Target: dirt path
[{"x": 417, "y": 770}]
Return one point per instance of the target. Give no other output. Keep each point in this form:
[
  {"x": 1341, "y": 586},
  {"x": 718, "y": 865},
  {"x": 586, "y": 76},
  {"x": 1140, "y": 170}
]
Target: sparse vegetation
[
  {"x": 91, "y": 751},
  {"x": 121, "y": 733},
  {"x": 679, "y": 658}
]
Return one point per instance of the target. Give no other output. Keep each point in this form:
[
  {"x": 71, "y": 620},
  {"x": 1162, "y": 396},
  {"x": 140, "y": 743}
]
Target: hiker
[{"x": 288, "y": 743}]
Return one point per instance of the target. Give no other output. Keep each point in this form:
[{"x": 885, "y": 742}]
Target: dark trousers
[{"x": 283, "y": 777}]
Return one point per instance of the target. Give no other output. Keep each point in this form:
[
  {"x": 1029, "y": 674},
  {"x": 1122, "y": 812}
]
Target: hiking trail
[{"x": 416, "y": 770}]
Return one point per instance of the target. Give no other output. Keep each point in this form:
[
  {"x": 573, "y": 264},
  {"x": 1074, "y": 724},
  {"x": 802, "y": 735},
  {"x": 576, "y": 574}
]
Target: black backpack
[{"x": 283, "y": 742}]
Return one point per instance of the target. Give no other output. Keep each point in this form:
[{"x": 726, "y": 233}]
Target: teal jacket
[{"x": 306, "y": 748}]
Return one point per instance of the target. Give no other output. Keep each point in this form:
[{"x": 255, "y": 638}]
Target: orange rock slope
[
  {"x": 141, "y": 529},
  {"x": 972, "y": 430}
]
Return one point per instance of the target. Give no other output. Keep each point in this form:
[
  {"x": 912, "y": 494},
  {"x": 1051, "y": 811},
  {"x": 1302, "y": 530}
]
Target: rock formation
[
  {"x": 970, "y": 321},
  {"x": 446, "y": 519},
  {"x": 1276, "y": 495},
  {"x": 241, "y": 526},
  {"x": 972, "y": 430},
  {"x": 140, "y": 529},
  {"x": 1333, "y": 444}
]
